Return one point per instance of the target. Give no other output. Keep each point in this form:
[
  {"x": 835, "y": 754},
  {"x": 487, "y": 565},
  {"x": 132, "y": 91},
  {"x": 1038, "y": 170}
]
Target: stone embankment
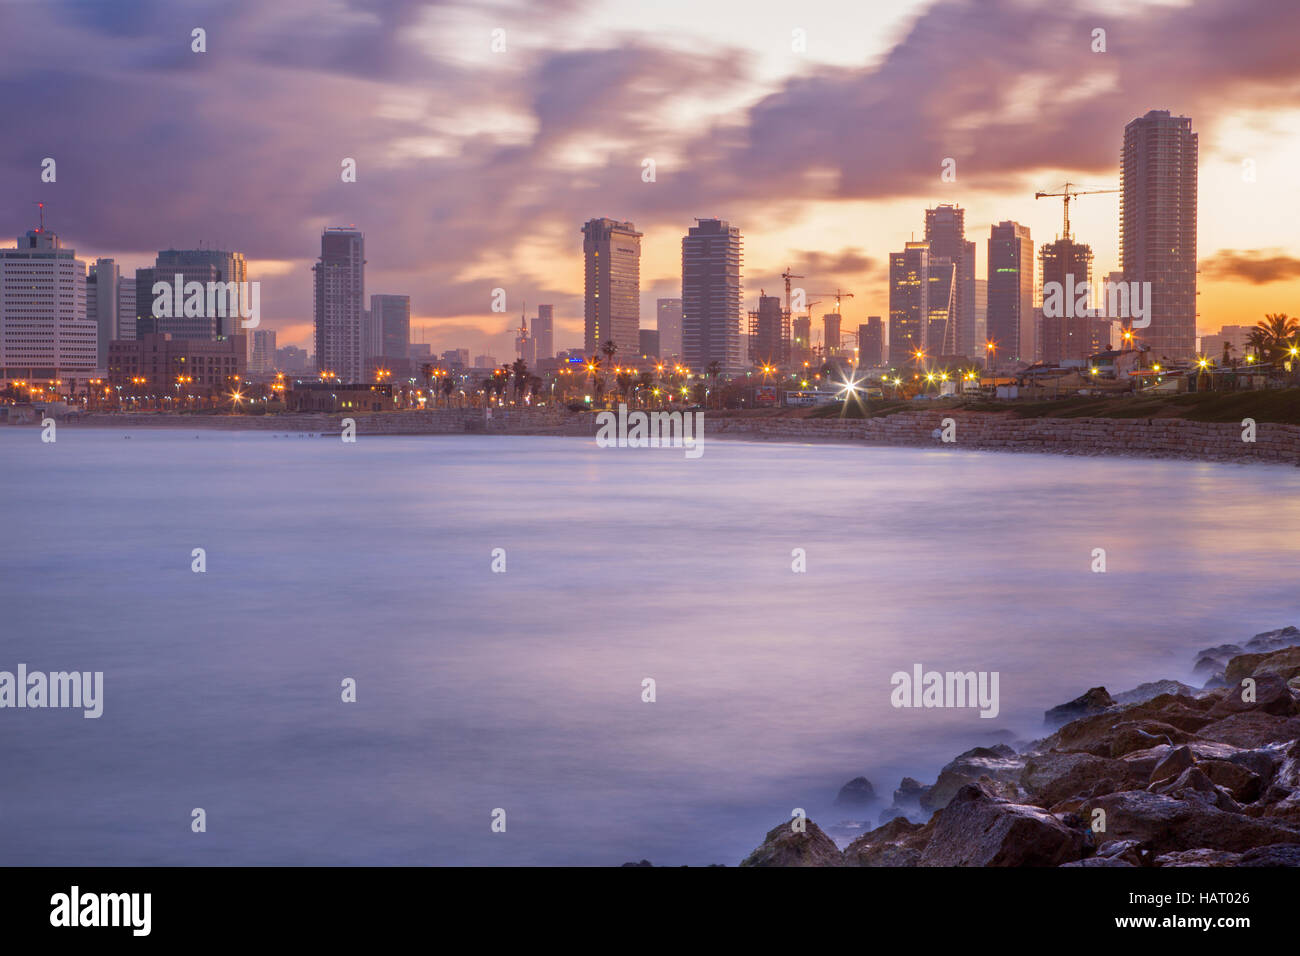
[
  {"x": 439, "y": 421},
  {"x": 1159, "y": 776},
  {"x": 1145, "y": 437}
]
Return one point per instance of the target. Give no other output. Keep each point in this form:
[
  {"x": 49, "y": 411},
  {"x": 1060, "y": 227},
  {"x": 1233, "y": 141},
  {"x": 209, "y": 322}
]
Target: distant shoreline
[{"x": 1170, "y": 438}]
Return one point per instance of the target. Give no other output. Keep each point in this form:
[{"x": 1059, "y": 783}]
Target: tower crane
[
  {"x": 838, "y": 295},
  {"x": 1069, "y": 194}
]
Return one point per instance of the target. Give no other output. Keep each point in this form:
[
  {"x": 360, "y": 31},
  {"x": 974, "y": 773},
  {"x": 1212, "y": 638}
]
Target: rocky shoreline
[{"x": 1163, "y": 775}]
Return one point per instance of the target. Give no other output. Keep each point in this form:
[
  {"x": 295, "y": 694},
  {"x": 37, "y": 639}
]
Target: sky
[{"x": 819, "y": 128}]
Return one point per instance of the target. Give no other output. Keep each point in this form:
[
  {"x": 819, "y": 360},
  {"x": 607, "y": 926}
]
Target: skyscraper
[
  {"x": 1065, "y": 335},
  {"x": 769, "y": 342},
  {"x": 1011, "y": 293},
  {"x": 908, "y": 302},
  {"x": 44, "y": 332},
  {"x": 338, "y": 301},
  {"x": 669, "y": 313},
  {"x": 1158, "y": 184},
  {"x": 263, "y": 358},
  {"x": 186, "y": 266},
  {"x": 649, "y": 343},
  {"x": 871, "y": 342},
  {"x": 612, "y": 307},
  {"x": 830, "y": 334},
  {"x": 712, "y": 260},
  {"x": 102, "y": 301},
  {"x": 945, "y": 230},
  {"x": 390, "y": 315},
  {"x": 544, "y": 333},
  {"x": 941, "y": 306},
  {"x": 126, "y": 309}
]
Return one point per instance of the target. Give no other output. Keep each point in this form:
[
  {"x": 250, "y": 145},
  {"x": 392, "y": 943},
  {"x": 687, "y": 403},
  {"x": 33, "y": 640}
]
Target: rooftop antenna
[{"x": 41, "y": 206}]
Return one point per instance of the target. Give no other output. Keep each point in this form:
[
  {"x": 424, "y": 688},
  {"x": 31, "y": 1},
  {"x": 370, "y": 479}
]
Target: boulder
[
  {"x": 1134, "y": 735},
  {"x": 1143, "y": 762},
  {"x": 1098, "y": 861},
  {"x": 1284, "y": 664},
  {"x": 783, "y": 846},
  {"x": 1251, "y": 730},
  {"x": 1167, "y": 824},
  {"x": 1145, "y": 692},
  {"x": 995, "y": 769},
  {"x": 858, "y": 792},
  {"x": 1130, "y": 850},
  {"x": 1273, "y": 640},
  {"x": 897, "y": 843},
  {"x": 1096, "y": 734},
  {"x": 975, "y": 829},
  {"x": 1279, "y": 854},
  {"x": 1093, "y": 701},
  {"x": 1272, "y": 696},
  {"x": 1242, "y": 784},
  {"x": 907, "y": 800},
  {"x": 1054, "y": 777},
  {"x": 1193, "y": 784},
  {"x": 1198, "y": 858},
  {"x": 1213, "y": 660},
  {"x": 1172, "y": 764},
  {"x": 1263, "y": 762}
]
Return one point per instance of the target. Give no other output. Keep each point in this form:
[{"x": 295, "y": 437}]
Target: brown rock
[
  {"x": 1053, "y": 777},
  {"x": 1133, "y": 735},
  {"x": 1167, "y": 824},
  {"x": 976, "y": 830},
  {"x": 1279, "y": 854},
  {"x": 1284, "y": 664},
  {"x": 1244, "y": 785},
  {"x": 897, "y": 843},
  {"x": 1092, "y": 701},
  {"x": 1198, "y": 858},
  {"x": 995, "y": 769},
  {"x": 1172, "y": 764},
  {"x": 1272, "y": 696},
  {"x": 1192, "y": 783},
  {"x": 1096, "y": 734},
  {"x": 1252, "y": 730},
  {"x": 784, "y": 847}
]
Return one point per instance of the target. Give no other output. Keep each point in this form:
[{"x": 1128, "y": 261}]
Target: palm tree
[
  {"x": 609, "y": 348},
  {"x": 625, "y": 381},
  {"x": 427, "y": 371},
  {"x": 448, "y": 386},
  {"x": 645, "y": 381},
  {"x": 713, "y": 371},
  {"x": 1277, "y": 334},
  {"x": 1259, "y": 340},
  {"x": 520, "y": 372}
]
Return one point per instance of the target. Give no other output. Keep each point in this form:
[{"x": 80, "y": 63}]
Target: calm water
[{"x": 523, "y": 690}]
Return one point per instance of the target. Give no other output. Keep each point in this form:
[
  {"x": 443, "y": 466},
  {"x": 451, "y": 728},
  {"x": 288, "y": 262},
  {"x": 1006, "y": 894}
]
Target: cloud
[
  {"x": 241, "y": 146},
  {"x": 1256, "y": 266}
]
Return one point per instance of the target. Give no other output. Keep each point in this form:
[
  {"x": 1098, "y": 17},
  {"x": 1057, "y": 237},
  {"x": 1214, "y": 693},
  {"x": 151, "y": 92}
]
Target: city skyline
[{"x": 755, "y": 118}]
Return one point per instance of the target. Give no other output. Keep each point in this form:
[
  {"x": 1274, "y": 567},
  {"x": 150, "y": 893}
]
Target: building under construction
[
  {"x": 769, "y": 332},
  {"x": 1069, "y": 336}
]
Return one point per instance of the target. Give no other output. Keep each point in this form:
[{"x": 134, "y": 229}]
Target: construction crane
[
  {"x": 838, "y": 295},
  {"x": 787, "y": 275},
  {"x": 1069, "y": 194}
]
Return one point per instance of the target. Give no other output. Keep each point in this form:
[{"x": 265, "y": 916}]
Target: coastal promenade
[{"x": 1141, "y": 437}]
